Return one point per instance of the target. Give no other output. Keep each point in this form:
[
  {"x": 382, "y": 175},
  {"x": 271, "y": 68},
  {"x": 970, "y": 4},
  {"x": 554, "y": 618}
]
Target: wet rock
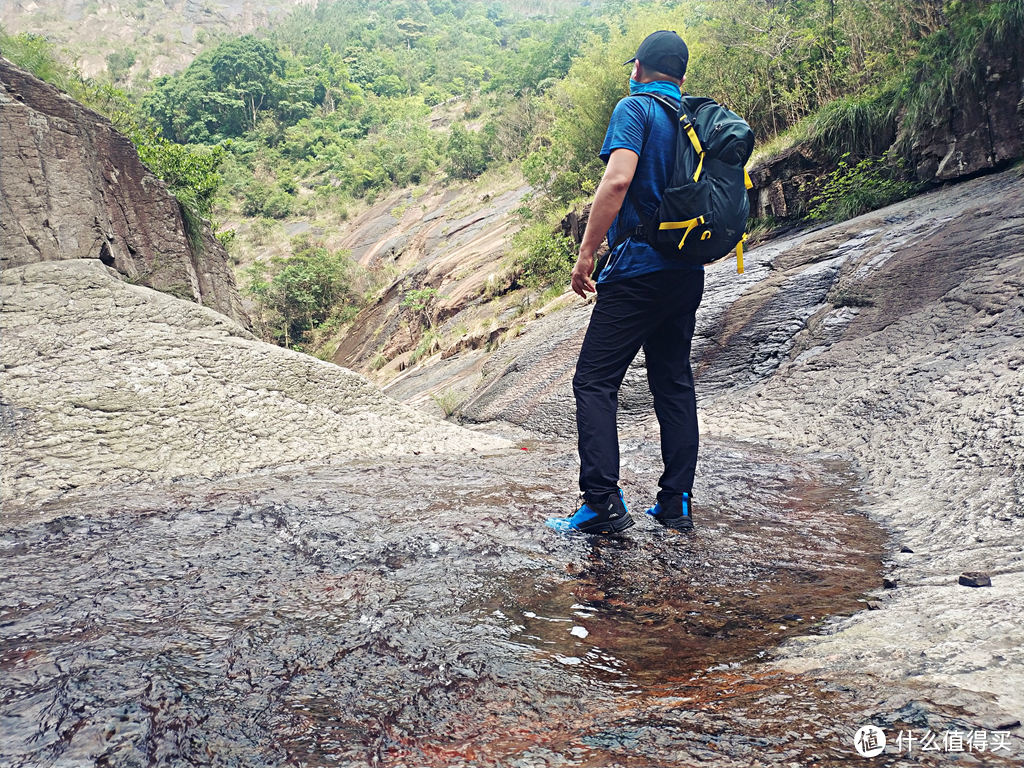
[
  {"x": 286, "y": 618},
  {"x": 874, "y": 605},
  {"x": 924, "y": 386},
  {"x": 906, "y": 550},
  {"x": 890, "y": 582},
  {"x": 974, "y": 579},
  {"x": 897, "y": 339},
  {"x": 98, "y": 202}
]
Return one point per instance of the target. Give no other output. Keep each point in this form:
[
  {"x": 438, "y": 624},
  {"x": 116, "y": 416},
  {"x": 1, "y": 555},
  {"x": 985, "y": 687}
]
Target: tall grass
[{"x": 951, "y": 65}]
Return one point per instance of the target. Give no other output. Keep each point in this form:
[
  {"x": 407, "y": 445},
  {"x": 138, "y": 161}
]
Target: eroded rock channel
[{"x": 418, "y": 613}]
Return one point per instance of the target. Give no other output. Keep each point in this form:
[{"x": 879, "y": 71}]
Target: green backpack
[{"x": 704, "y": 209}]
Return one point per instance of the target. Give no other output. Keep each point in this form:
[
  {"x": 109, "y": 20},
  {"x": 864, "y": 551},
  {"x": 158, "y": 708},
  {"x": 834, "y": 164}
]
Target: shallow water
[{"x": 418, "y": 613}]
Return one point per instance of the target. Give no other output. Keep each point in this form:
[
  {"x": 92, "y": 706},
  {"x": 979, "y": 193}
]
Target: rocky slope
[
  {"x": 985, "y": 132},
  {"x": 164, "y": 35},
  {"x": 106, "y": 382},
  {"x": 452, "y": 240},
  {"x": 895, "y": 340},
  {"x": 73, "y": 187}
]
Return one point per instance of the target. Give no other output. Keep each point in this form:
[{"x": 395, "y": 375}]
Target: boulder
[{"x": 73, "y": 187}]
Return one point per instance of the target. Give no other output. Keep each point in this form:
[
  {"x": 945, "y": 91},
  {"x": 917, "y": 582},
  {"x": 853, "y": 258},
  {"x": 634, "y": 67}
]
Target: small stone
[
  {"x": 906, "y": 549},
  {"x": 975, "y": 579},
  {"x": 874, "y": 605},
  {"x": 889, "y": 582}
]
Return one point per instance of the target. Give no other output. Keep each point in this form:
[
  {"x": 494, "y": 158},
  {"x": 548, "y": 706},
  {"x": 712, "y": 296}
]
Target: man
[{"x": 644, "y": 299}]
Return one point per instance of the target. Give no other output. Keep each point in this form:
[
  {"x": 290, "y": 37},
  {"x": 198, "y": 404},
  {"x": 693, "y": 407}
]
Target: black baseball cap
[{"x": 663, "y": 51}]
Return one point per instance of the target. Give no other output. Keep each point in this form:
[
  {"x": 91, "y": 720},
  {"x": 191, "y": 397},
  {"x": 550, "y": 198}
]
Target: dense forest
[{"x": 341, "y": 102}]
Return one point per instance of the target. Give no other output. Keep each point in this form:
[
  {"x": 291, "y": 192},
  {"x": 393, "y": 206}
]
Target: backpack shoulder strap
[{"x": 645, "y": 222}]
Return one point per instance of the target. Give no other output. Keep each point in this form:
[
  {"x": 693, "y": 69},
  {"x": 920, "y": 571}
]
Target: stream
[{"x": 418, "y": 613}]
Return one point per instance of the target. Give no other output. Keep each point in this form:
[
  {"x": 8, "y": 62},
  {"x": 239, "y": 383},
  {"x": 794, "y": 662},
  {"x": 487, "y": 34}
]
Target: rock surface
[
  {"x": 448, "y": 240},
  {"x": 72, "y": 187},
  {"x": 909, "y": 358},
  {"x": 897, "y": 340},
  {"x": 108, "y": 382},
  {"x": 985, "y": 132}
]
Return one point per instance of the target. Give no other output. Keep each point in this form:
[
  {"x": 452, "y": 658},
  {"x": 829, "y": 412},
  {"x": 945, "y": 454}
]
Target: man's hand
[{"x": 580, "y": 281}]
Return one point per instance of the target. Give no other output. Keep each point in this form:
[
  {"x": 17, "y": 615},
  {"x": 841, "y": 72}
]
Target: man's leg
[
  {"x": 667, "y": 352},
  {"x": 621, "y": 319}
]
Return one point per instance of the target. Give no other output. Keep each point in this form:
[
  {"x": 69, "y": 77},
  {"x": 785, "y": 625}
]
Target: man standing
[{"x": 644, "y": 299}]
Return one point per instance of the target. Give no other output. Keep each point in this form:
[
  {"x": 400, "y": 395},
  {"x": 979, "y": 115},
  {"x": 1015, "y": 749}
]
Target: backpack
[{"x": 703, "y": 212}]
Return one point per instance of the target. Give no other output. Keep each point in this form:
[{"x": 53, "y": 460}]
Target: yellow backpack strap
[
  {"x": 739, "y": 254},
  {"x": 692, "y": 135},
  {"x": 746, "y": 180},
  {"x": 688, "y": 225}
]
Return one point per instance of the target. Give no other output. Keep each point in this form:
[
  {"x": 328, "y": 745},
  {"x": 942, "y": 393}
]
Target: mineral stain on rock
[{"x": 418, "y": 613}]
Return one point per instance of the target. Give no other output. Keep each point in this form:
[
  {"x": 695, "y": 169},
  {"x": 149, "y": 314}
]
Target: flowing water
[{"x": 418, "y": 613}]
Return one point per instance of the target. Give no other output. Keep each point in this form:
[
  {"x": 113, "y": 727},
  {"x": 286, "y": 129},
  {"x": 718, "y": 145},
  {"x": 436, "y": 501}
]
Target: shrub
[
  {"x": 546, "y": 257},
  {"x": 851, "y": 190},
  {"x": 448, "y": 401},
  {"x": 227, "y": 239},
  {"x": 299, "y": 293}
]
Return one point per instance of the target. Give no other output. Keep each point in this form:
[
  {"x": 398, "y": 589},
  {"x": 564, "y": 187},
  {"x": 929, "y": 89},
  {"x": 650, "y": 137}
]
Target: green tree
[
  {"x": 249, "y": 70},
  {"x": 222, "y": 93},
  {"x": 298, "y": 293},
  {"x": 467, "y": 156},
  {"x": 119, "y": 64}
]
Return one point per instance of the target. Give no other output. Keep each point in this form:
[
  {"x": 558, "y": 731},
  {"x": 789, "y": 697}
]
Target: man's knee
[
  {"x": 583, "y": 386},
  {"x": 589, "y": 387}
]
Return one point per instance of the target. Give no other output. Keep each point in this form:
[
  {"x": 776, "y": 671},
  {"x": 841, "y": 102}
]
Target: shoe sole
[
  {"x": 679, "y": 523},
  {"x": 606, "y": 527}
]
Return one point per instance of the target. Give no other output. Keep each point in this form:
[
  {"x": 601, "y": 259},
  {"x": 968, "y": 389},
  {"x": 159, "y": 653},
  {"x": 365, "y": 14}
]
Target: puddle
[{"x": 419, "y": 614}]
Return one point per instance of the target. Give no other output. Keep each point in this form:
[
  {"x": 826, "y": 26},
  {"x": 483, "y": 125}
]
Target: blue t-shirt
[{"x": 634, "y": 118}]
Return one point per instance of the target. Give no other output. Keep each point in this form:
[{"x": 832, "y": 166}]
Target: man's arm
[{"x": 607, "y": 201}]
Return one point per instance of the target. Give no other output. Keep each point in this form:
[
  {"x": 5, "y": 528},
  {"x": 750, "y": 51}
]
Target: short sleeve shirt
[{"x": 641, "y": 124}]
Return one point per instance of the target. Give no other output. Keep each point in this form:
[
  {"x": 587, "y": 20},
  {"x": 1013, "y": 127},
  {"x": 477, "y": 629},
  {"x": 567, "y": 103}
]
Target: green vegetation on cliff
[
  {"x": 342, "y": 102},
  {"x": 858, "y": 81}
]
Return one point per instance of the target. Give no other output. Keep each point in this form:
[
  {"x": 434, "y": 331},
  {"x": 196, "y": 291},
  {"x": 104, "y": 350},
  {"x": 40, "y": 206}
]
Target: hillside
[
  {"x": 140, "y": 39},
  {"x": 219, "y": 549}
]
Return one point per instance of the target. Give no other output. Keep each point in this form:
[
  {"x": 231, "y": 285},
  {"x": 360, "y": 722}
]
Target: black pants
[{"x": 656, "y": 311}]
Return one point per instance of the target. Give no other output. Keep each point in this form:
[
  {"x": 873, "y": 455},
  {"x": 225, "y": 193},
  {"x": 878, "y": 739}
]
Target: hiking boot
[
  {"x": 607, "y": 516},
  {"x": 673, "y": 512}
]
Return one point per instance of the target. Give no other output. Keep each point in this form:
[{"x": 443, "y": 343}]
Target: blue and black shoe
[
  {"x": 674, "y": 511},
  {"x": 596, "y": 517}
]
